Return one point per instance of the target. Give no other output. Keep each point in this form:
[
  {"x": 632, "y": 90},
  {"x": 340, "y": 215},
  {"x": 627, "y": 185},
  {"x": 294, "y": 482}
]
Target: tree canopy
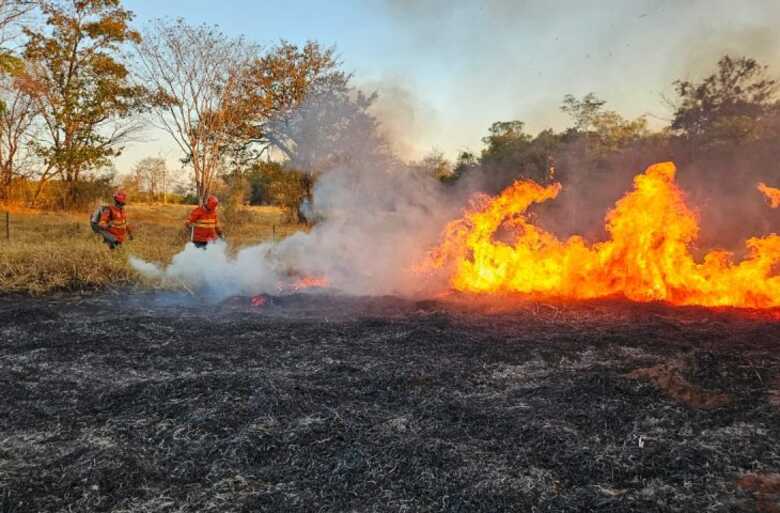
[
  {"x": 726, "y": 105},
  {"x": 82, "y": 87}
]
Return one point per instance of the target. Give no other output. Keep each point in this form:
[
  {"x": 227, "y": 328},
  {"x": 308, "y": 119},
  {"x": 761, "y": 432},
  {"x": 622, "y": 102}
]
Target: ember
[
  {"x": 259, "y": 300},
  {"x": 772, "y": 194},
  {"x": 647, "y": 257}
]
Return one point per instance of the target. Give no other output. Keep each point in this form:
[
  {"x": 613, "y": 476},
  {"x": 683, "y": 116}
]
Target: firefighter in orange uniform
[
  {"x": 110, "y": 221},
  {"x": 203, "y": 223}
]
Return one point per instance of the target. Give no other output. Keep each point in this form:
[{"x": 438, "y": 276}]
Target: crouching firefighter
[
  {"x": 203, "y": 223},
  {"x": 110, "y": 222}
]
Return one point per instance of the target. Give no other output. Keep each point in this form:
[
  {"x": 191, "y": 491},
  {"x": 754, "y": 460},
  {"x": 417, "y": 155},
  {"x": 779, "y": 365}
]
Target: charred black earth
[{"x": 160, "y": 403}]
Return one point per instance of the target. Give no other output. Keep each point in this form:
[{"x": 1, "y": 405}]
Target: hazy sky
[{"x": 446, "y": 69}]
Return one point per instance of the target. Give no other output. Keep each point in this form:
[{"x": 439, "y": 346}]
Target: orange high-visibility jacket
[
  {"x": 114, "y": 220},
  {"x": 204, "y": 224}
]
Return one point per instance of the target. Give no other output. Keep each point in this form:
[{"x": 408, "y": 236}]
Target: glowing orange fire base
[{"x": 647, "y": 256}]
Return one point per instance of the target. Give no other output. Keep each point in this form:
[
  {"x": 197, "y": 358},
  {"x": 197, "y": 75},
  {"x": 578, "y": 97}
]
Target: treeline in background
[{"x": 258, "y": 125}]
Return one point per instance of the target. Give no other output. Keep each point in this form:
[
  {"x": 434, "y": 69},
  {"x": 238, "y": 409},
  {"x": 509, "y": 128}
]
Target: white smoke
[
  {"x": 376, "y": 224},
  {"x": 376, "y": 218},
  {"x": 212, "y": 270},
  {"x": 148, "y": 269}
]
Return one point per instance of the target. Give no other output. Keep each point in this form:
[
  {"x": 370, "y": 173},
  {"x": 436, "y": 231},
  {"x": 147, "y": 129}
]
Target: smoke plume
[
  {"x": 375, "y": 226},
  {"x": 376, "y": 219}
]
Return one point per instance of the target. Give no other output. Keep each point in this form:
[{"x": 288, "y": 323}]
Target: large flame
[
  {"x": 772, "y": 194},
  {"x": 495, "y": 248}
]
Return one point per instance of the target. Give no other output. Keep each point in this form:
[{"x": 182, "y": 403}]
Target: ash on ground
[{"x": 338, "y": 404}]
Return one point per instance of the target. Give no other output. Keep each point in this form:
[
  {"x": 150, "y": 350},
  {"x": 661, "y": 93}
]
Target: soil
[{"x": 133, "y": 402}]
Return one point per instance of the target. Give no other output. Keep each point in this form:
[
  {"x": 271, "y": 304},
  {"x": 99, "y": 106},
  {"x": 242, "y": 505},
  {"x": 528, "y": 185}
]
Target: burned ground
[{"x": 333, "y": 404}]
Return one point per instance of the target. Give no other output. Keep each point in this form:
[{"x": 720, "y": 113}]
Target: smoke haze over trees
[{"x": 262, "y": 124}]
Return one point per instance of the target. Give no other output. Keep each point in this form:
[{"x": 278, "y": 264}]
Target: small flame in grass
[
  {"x": 772, "y": 194},
  {"x": 647, "y": 256},
  {"x": 308, "y": 282},
  {"x": 259, "y": 301}
]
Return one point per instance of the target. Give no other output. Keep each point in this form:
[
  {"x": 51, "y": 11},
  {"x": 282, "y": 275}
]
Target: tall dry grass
[{"x": 58, "y": 251}]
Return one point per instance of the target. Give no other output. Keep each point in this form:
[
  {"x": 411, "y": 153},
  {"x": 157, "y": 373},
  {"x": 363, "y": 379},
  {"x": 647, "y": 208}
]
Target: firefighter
[
  {"x": 203, "y": 223},
  {"x": 110, "y": 222}
]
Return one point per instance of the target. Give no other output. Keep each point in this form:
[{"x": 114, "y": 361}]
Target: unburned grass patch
[{"x": 59, "y": 252}]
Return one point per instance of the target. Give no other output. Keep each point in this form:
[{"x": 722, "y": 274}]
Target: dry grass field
[{"x": 51, "y": 251}]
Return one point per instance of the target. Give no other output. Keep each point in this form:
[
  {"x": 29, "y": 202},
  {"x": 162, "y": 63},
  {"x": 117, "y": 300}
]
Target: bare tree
[
  {"x": 13, "y": 13},
  {"x": 17, "y": 123},
  {"x": 198, "y": 75},
  {"x": 150, "y": 175},
  {"x": 17, "y": 112}
]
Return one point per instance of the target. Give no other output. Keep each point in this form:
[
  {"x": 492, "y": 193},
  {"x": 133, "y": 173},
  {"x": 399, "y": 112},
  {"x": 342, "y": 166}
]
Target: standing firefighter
[
  {"x": 203, "y": 223},
  {"x": 110, "y": 221}
]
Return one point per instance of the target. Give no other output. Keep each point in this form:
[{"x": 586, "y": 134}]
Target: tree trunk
[
  {"x": 307, "y": 183},
  {"x": 201, "y": 188},
  {"x": 38, "y": 191},
  {"x": 71, "y": 193},
  {"x": 5, "y": 187}
]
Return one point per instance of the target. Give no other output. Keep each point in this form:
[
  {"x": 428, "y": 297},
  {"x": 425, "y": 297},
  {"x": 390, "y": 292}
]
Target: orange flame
[
  {"x": 646, "y": 258},
  {"x": 772, "y": 194},
  {"x": 308, "y": 282}
]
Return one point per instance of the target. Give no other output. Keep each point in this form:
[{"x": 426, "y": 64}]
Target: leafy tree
[
  {"x": 434, "y": 165},
  {"x": 466, "y": 163},
  {"x": 284, "y": 84},
  {"x": 303, "y": 106},
  {"x": 504, "y": 135},
  {"x": 83, "y": 88},
  {"x": 726, "y": 105},
  {"x": 512, "y": 152},
  {"x": 273, "y": 184},
  {"x": 583, "y": 112},
  {"x": 607, "y": 130},
  {"x": 505, "y": 145},
  {"x": 300, "y": 106}
]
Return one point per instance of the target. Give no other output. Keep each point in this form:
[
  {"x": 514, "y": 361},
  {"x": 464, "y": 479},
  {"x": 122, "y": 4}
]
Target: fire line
[{"x": 646, "y": 257}]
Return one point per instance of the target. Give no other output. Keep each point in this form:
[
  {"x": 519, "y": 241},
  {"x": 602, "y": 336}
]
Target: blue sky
[{"x": 445, "y": 70}]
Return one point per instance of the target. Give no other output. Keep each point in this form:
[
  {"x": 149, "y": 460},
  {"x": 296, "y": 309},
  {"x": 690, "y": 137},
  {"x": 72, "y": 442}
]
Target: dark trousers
[{"x": 110, "y": 240}]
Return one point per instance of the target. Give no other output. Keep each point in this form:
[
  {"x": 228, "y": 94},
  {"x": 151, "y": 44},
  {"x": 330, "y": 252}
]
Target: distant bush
[
  {"x": 58, "y": 195},
  {"x": 270, "y": 183}
]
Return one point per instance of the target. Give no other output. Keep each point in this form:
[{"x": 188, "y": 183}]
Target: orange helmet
[
  {"x": 120, "y": 197},
  {"x": 212, "y": 202}
]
